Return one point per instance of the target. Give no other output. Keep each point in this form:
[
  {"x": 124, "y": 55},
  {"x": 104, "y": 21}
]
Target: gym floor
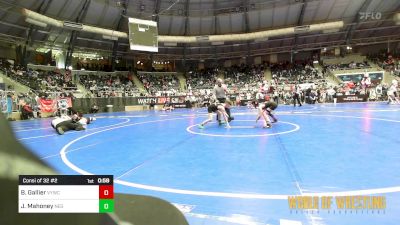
[{"x": 241, "y": 175}]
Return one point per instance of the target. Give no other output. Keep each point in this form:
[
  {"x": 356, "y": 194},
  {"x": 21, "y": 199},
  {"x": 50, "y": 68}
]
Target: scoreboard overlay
[{"x": 65, "y": 194}]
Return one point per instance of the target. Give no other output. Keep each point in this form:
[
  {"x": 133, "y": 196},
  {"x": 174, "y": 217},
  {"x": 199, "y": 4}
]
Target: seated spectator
[
  {"x": 26, "y": 110},
  {"x": 94, "y": 109}
]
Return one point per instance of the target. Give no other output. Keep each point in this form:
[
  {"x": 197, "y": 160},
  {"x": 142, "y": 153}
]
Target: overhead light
[
  {"x": 43, "y": 50},
  {"x": 138, "y": 62},
  {"x": 35, "y": 22},
  {"x": 202, "y": 38},
  {"x": 302, "y": 29},
  {"x": 73, "y": 25}
]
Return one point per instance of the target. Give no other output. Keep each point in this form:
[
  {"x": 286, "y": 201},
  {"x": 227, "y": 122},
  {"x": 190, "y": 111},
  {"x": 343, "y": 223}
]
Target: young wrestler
[
  {"x": 86, "y": 120},
  {"x": 167, "y": 106},
  {"x": 219, "y": 109},
  {"x": 227, "y": 110},
  {"x": 65, "y": 123},
  {"x": 392, "y": 93},
  {"x": 265, "y": 111}
]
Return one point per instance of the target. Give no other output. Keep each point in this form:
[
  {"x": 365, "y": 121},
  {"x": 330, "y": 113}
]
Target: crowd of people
[
  {"x": 110, "y": 85},
  {"x": 159, "y": 84},
  {"x": 388, "y": 61},
  {"x": 39, "y": 80},
  {"x": 291, "y": 83},
  {"x": 290, "y": 73},
  {"x": 243, "y": 75},
  {"x": 201, "y": 79},
  {"x": 348, "y": 66}
]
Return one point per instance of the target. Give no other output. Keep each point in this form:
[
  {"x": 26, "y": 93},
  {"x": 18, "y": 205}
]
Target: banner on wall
[
  {"x": 47, "y": 105},
  {"x": 176, "y": 101},
  {"x": 352, "y": 98},
  {"x": 50, "y": 105}
]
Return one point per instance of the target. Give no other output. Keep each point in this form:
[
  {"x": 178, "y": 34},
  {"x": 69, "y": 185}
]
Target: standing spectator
[{"x": 296, "y": 95}]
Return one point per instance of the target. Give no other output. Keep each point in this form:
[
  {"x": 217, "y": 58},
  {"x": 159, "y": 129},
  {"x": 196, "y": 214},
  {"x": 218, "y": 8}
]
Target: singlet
[
  {"x": 212, "y": 108},
  {"x": 270, "y": 105}
]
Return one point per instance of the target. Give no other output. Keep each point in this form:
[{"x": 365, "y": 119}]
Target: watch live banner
[{"x": 176, "y": 101}]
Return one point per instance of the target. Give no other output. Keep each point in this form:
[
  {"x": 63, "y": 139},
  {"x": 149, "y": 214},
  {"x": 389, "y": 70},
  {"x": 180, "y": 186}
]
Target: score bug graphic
[{"x": 66, "y": 194}]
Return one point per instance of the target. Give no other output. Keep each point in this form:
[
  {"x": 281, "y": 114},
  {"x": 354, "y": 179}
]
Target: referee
[
  {"x": 220, "y": 91},
  {"x": 220, "y": 94}
]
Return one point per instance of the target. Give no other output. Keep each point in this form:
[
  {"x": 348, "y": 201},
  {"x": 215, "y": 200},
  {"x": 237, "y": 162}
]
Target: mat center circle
[{"x": 243, "y": 129}]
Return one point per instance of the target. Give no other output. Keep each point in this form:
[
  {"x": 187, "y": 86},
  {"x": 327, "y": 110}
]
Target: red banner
[{"x": 47, "y": 105}]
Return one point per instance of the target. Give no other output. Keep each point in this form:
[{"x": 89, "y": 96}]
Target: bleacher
[
  {"x": 39, "y": 80},
  {"x": 244, "y": 75},
  {"x": 201, "y": 79},
  {"x": 160, "y": 83},
  {"x": 109, "y": 84}
]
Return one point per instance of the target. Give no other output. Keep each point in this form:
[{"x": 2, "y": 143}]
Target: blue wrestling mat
[{"x": 242, "y": 175}]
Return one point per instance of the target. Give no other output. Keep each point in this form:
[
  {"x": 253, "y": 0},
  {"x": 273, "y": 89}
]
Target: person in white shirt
[
  {"x": 379, "y": 91},
  {"x": 260, "y": 97},
  {"x": 296, "y": 95},
  {"x": 392, "y": 93},
  {"x": 366, "y": 81}
]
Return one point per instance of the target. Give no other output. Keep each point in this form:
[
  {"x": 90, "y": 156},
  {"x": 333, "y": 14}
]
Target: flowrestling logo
[{"x": 370, "y": 15}]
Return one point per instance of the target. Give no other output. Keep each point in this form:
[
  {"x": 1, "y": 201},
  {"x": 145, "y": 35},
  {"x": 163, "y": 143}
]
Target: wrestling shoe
[
  {"x": 201, "y": 126},
  {"x": 267, "y": 126},
  {"x": 60, "y": 131},
  {"x": 230, "y": 119}
]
